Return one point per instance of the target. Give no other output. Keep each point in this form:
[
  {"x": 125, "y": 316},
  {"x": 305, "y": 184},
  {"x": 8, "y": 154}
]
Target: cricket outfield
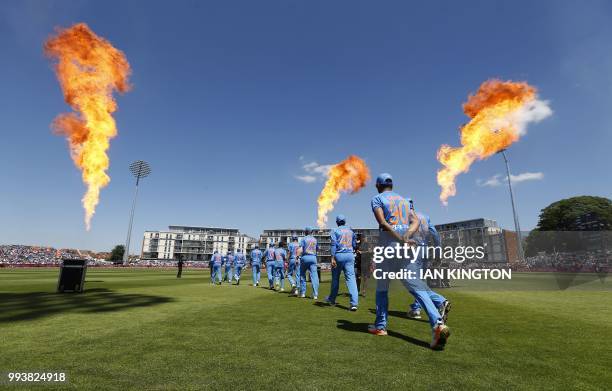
[{"x": 146, "y": 329}]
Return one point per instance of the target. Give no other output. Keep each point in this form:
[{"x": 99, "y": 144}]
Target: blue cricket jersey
[
  {"x": 256, "y": 257},
  {"x": 396, "y": 210},
  {"x": 230, "y": 260},
  {"x": 343, "y": 240},
  {"x": 270, "y": 254},
  {"x": 280, "y": 255},
  {"x": 217, "y": 259},
  {"x": 239, "y": 259},
  {"x": 309, "y": 245},
  {"x": 293, "y": 246}
]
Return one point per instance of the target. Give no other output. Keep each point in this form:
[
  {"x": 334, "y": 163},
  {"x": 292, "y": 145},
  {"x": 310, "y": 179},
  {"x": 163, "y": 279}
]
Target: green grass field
[{"x": 144, "y": 329}]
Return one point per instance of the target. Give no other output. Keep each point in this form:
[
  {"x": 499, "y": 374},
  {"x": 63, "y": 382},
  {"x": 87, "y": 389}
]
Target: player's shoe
[
  {"x": 440, "y": 334},
  {"x": 315, "y": 298},
  {"x": 353, "y": 308},
  {"x": 282, "y": 289},
  {"x": 302, "y": 296},
  {"x": 414, "y": 314},
  {"x": 376, "y": 331},
  {"x": 328, "y": 301},
  {"x": 444, "y": 309}
]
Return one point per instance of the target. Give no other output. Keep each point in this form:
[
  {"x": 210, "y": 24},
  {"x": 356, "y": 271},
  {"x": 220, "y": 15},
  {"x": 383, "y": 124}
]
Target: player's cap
[
  {"x": 308, "y": 229},
  {"x": 257, "y": 246},
  {"x": 384, "y": 179},
  {"x": 340, "y": 219}
]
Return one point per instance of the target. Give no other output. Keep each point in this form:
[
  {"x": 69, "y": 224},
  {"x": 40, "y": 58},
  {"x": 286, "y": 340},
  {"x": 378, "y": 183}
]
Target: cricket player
[
  {"x": 217, "y": 261},
  {"x": 343, "y": 245},
  {"x": 239, "y": 263},
  {"x": 422, "y": 235},
  {"x": 280, "y": 256},
  {"x": 229, "y": 262},
  {"x": 270, "y": 257},
  {"x": 398, "y": 223},
  {"x": 307, "y": 251},
  {"x": 293, "y": 271},
  {"x": 256, "y": 264}
]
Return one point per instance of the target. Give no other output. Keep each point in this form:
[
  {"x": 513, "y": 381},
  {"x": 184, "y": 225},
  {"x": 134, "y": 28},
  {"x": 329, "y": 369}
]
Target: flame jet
[
  {"x": 89, "y": 69},
  {"x": 499, "y": 113},
  {"x": 348, "y": 176}
]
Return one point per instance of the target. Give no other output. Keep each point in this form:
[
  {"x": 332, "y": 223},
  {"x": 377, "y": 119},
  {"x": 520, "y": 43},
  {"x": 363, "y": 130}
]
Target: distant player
[
  {"x": 307, "y": 251},
  {"x": 216, "y": 261},
  {"x": 229, "y": 263},
  {"x": 421, "y": 236},
  {"x": 270, "y": 258},
  {"x": 256, "y": 255},
  {"x": 398, "y": 223},
  {"x": 179, "y": 265},
  {"x": 343, "y": 245},
  {"x": 239, "y": 263},
  {"x": 279, "y": 266},
  {"x": 293, "y": 270}
]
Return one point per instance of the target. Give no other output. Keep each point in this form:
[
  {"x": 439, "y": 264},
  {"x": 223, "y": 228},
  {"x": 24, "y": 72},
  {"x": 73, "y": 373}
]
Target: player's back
[
  {"x": 396, "y": 209},
  {"x": 256, "y": 256},
  {"x": 344, "y": 239},
  {"x": 292, "y": 250},
  {"x": 309, "y": 245},
  {"x": 239, "y": 259},
  {"x": 280, "y": 254},
  {"x": 270, "y": 254}
]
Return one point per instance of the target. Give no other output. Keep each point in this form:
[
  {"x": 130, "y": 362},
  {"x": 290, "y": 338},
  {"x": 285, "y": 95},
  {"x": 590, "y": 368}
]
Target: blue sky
[{"x": 232, "y": 98}]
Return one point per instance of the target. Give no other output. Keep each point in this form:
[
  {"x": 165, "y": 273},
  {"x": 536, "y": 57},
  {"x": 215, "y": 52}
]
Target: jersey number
[{"x": 399, "y": 212}]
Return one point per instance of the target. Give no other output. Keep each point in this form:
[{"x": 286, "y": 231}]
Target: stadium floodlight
[
  {"x": 517, "y": 226},
  {"x": 139, "y": 169}
]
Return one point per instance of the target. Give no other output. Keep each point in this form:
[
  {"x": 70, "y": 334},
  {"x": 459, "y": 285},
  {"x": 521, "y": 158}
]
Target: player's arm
[{"x": 382, "y": 223}]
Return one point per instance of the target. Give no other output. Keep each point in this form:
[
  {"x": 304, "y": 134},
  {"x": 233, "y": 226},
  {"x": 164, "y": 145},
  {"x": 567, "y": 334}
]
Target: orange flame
[
  {"x": 349, "y": 176},
  {"x": 499, "y": 112},
  {"x": 89, "y": 69}
]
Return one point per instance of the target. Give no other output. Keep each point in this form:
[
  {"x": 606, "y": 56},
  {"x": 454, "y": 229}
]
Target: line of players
[
  {"x": 292, "y": 263},
  {"x": 398, "y": 223}
]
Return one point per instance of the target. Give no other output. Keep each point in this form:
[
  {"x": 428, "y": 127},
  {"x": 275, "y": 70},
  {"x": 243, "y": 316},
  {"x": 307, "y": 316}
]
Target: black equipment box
[{"x": 72, "y": 275}]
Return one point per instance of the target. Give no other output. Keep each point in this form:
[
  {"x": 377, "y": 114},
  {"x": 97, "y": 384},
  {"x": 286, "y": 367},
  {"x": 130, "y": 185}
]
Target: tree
[
  {"x": 559, "y": 219},
  {"x": 117, "y": 253},
  {"x": 562, "y": 215}
]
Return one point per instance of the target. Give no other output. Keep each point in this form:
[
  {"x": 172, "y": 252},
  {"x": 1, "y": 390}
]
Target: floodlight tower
[
  {"x": 139, "y": 169},
  {"x": 517, "y": 226}
]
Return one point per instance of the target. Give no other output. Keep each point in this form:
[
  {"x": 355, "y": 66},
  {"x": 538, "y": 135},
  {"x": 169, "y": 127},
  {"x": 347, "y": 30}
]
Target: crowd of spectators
[
  {"x": 37, "y": 256},
  {"x": 571, "y": 262},
  {"x": 14, "y": 255}
]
